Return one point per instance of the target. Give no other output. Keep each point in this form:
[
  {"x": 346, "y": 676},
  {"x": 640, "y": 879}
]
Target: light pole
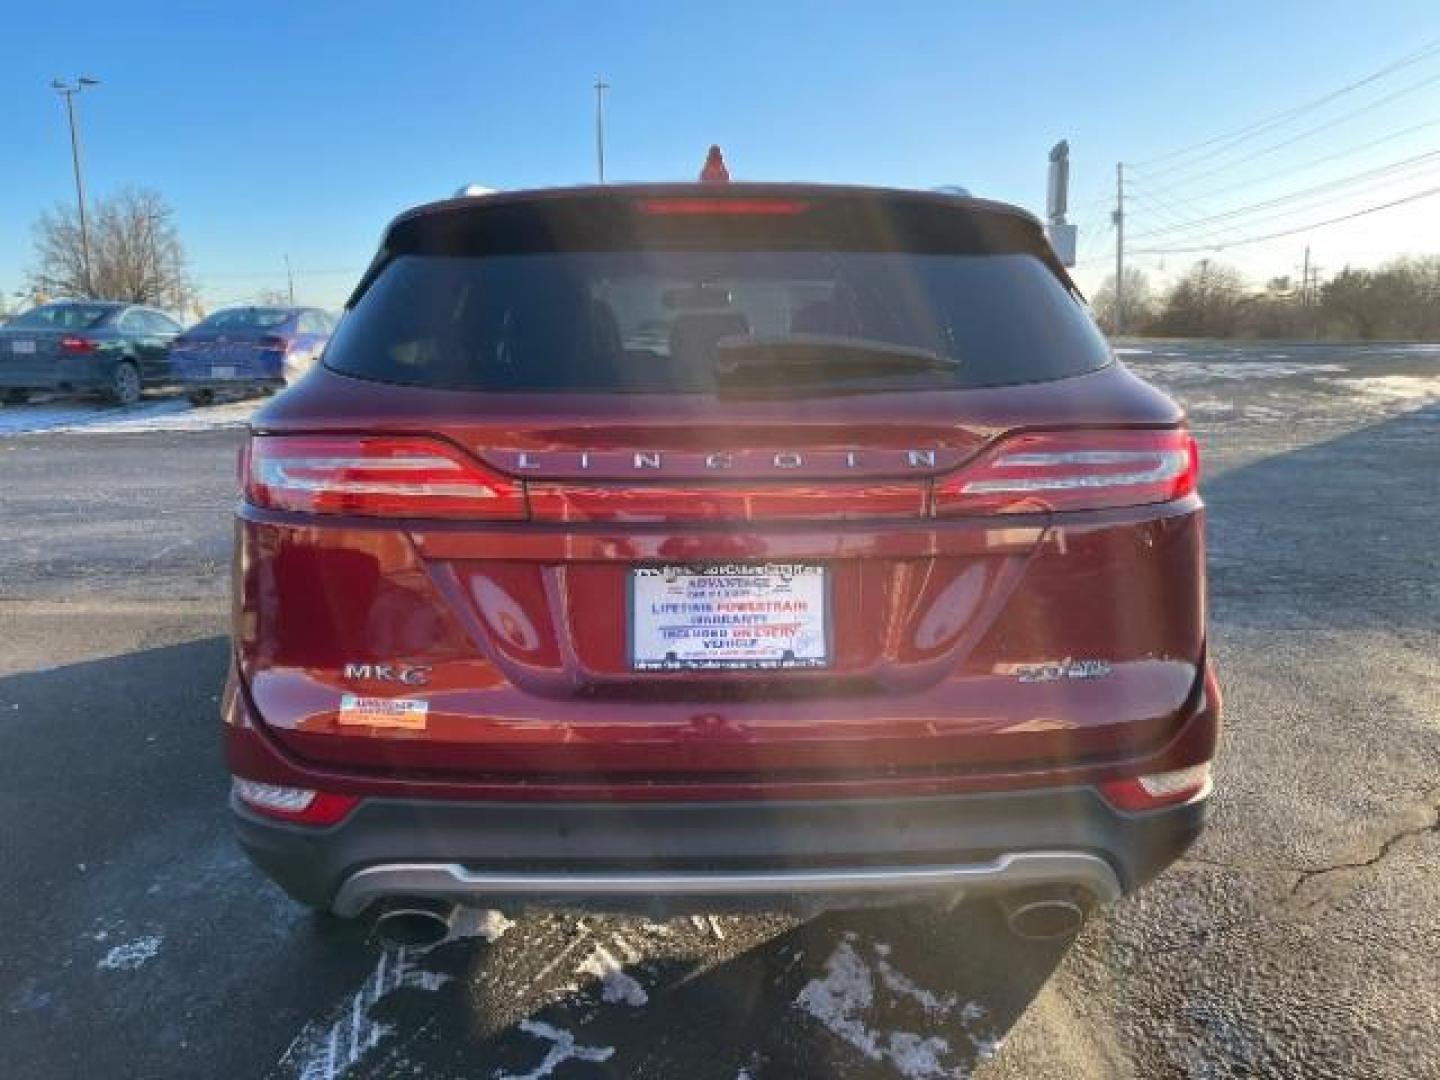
[
  {"x": 600, "y": 87},
  {"x": 68, "y": 92}
]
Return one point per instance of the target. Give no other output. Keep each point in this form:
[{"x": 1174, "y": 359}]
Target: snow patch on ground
[
  {"x": 92, "y": 418},
  {"x": 1396, "y": 389},
  {"x": 615, "y": 984},
  {"x": 326, "y": 1048},
  {"x": 488, "y": 923},
  {"x": 1202, "y": 370},
  {"x": 130, "y": 955},
  {"x": 563, "y": 1048},
  {"x": 847, "y": 990}
]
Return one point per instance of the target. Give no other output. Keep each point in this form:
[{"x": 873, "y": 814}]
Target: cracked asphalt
[{"x": 1299, "y": 938}]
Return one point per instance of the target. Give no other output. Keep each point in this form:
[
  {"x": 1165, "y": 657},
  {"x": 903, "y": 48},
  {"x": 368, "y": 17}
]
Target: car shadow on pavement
[
  {"x": 148, "y": 937},
  {"x": 881, "y": 993}
]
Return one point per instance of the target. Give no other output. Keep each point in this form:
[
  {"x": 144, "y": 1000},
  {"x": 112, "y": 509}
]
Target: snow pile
[
  {"x": 848, "y": 989},
  {"x": 487, "y": 923},
  {"x": 615, "y": 985}
]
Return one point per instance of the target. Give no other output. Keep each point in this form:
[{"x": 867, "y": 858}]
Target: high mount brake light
[
  {"x": 1073, "y": 470},
  {"x": 721, "y": 207},
  {"x": 375, "y": 476}
]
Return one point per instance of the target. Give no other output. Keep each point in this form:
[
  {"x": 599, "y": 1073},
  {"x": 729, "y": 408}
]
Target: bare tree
[
  {"x": 1208, "y": 301},
  {"x": 1139, "y": 302},
  {"x": 135, "y": 252}
]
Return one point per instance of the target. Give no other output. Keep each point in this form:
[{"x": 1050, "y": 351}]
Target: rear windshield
[
  {"x": 64, "y": 317},
  {"x": 247, "y": 318},
  {"x": 658, "y": 320}
]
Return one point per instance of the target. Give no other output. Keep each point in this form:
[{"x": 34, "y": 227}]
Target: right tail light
[{"x": 1073, "y": 470}]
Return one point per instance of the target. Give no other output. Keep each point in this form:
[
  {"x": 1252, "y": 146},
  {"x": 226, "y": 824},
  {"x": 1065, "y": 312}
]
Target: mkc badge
[{"x": 405, "y": 674}]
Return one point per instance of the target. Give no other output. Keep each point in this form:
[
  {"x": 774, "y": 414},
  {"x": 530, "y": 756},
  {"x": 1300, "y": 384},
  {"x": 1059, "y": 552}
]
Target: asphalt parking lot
[{"x": 1298, "y": 939}]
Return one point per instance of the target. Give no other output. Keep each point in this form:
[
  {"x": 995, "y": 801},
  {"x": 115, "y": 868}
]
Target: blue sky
[{"x": 301, "y": 128}]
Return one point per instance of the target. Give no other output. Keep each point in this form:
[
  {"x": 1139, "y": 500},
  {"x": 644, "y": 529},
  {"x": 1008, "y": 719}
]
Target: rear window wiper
[{"x": 756, "y": 361}]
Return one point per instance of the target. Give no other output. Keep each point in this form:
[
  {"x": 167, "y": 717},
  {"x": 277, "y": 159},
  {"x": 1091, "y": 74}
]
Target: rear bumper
[{"x": 666, "y": 857}]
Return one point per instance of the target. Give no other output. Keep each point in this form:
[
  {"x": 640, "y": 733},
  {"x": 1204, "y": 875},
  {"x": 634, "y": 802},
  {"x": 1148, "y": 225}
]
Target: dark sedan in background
[
  {"x": 243, "y": 348},
  {"x": 90, "y": 346}
]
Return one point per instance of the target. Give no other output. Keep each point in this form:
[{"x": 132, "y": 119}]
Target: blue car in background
[{"x": 244, "y": 348}]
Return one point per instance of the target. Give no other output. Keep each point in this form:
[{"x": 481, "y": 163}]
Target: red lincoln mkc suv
[{"x": 713, "y": 545}]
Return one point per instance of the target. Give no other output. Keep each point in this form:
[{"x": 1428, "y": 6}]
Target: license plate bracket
[{"x": 729, "y": 617}]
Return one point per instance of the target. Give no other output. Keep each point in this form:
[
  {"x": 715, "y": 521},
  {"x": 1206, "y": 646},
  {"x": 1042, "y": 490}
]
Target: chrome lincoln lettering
[{"x": 820, "y": 462}]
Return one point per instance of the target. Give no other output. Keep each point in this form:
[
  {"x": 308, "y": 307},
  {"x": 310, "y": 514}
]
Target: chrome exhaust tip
[
  {"x": 1046, "y": 914},
  {"x": 415, "y": 924}
]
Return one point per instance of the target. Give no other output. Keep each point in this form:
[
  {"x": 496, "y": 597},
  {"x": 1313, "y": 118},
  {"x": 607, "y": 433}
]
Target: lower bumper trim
[{"x": 457, "y": 883}]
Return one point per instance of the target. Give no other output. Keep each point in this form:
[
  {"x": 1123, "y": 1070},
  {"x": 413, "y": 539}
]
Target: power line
[
  {"x": 1171, "y": 209},
  {"x": 1326, "y": 125},
  {"x": 1343, "y": 181},
  {"x": 1225, "y": 234},
  {"x": 1255, "y": 181},
  {"x": 1256, "y": 127},
  {"x": 1291, "y": 232}
]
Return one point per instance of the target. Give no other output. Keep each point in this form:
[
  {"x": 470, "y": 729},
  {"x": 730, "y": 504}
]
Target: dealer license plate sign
[{"x": 729, "y": 616}]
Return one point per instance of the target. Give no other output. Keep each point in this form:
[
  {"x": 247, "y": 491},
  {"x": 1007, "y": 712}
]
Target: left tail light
[
  {"x": 300, "y": 805},
  {"x": 379, "y": 476},
  {"x": 1074, "y": 470},
  {"x": 275, "y": 343},
  {"x": 75, "y": 345}
]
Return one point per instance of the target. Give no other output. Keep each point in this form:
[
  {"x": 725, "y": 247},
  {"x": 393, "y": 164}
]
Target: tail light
[
  {"x": 300, "y": 805},
  {"x": 1158, "y": 789},
  {"x": 382, "y": 476},
  {"x": 76, "y": 345},
  {"x": 275, "y": 342},
  {"x": 1074, "y": 470}
]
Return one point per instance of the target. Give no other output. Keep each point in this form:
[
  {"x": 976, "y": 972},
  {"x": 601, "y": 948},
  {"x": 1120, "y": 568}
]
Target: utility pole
[
  {"x": 1305, "y": 279},
  {"x": 290, "y": 278},
  {"x": 600, "y": 87},
  {"x": 1119, "y": 219},
  {"x": 68, "y": 92}
]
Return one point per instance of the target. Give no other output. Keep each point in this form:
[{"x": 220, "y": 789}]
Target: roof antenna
[{"x": 714, "y": 171}]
